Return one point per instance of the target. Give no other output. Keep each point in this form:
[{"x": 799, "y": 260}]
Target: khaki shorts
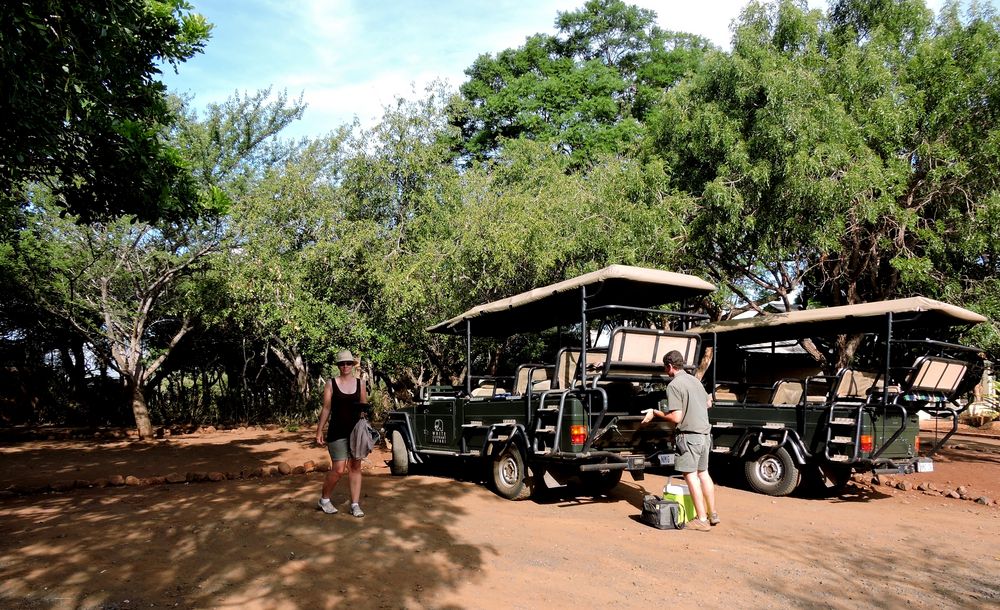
[
  {"x": 339, "y": 449},
  {"x": 696, "y": 448}
]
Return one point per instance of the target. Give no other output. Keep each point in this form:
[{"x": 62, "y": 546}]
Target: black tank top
[{"x": 345, "y": 410}]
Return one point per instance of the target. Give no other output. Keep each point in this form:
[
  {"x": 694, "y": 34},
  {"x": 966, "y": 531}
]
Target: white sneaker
[
  {"x": 356, "y": 510},
  {"x": 327, "y": 506}
]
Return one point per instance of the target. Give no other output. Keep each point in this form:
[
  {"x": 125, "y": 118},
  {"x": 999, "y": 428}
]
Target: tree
[
  {"x": 232, "y": 147},
  {"x": 290, "y": 272},
  {"x": 82, "y": 111},
  {"x": 743, "y": 137},
  {"x": 133, "y": 289},
  {"x": 850, "y": 156},
  {"x": 584, "y": 91},
  {"x": 114, "y": 281}
]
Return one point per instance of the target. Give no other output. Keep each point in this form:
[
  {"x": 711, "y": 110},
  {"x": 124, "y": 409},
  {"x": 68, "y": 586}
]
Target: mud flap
[
  {"x": 637, "y": 467},
  {"x": 550, "y": 481}
]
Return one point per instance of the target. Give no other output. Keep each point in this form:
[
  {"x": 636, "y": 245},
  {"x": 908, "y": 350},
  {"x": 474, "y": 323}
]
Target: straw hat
[{"x": 345, "y": 355}]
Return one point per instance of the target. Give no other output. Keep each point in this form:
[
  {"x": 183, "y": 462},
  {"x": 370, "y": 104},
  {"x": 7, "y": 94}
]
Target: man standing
[{"x": 687, "y": 407}]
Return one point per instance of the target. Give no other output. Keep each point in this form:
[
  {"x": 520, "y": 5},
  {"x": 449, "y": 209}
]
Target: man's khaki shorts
[{"x": 695, "y": 457}]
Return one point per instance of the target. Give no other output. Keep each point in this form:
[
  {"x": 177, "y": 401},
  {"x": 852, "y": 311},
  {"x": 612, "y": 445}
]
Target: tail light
[
  {"x": 916, "y": 444},
  {"x": 867, "y": 445},
  {"x": 578, "y": 434}
]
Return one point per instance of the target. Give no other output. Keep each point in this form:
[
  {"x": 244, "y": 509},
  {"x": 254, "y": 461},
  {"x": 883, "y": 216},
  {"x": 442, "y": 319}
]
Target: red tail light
[
  {"x": 866, "y": 443},
  {"x": 578, "y": 434},
  {"x": 916, "y": 444}
]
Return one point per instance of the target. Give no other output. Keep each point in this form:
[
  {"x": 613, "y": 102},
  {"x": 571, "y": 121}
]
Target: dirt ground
[{"x": 434, "y": 541}]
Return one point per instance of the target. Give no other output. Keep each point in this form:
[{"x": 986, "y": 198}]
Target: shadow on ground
[{"x": 258, "y": 543}]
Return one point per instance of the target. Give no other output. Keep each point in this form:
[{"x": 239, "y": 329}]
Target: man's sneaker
[
  {"x": 327, "y": 506},
  {"x": 698, "y": 525},
  {"x": 713, "y": 519},
  {"x": 356, "y": 510}
]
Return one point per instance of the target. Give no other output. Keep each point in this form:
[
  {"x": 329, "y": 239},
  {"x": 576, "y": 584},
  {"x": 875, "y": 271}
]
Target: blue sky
[{"x": 350, "y": 58}]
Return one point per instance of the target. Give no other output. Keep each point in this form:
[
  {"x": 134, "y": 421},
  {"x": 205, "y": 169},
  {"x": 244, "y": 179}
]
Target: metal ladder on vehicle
[
  {"x": 548, "y": 417},
  {"x": 843, "y": 431}
]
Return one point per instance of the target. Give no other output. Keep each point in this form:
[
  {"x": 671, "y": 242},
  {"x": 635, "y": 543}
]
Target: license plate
[
  {"x": 666, "y": 459},
  {"x": 925, "y": 466}
]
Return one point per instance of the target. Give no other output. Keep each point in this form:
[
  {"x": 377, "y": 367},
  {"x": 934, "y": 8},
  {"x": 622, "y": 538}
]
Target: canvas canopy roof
[
  {"x": 917, "y": 312},
  {"x": 559, "y": 304}
]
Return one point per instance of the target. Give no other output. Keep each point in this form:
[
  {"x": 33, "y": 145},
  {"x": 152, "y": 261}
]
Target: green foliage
[
  {"x": 584, "y": 92},
  {"x": 829, "y": 158},
  {"x": 82, "y": 110},
  {"x": 853, "y": 155},
  {"x": 236, "y": 141},
  {"x": 286, "y": 268}
]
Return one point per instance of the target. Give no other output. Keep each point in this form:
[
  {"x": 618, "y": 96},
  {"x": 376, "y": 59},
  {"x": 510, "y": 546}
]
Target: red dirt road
[{"x": 436, "y": 542}]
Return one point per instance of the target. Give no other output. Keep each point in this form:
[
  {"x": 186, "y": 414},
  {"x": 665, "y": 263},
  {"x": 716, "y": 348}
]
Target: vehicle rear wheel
[
  {"x": 773, "y": 473},
  {"x": 600, "y": 483},
  {"x": 400, "y": 464},
  {"x": 509, "y": 477}
]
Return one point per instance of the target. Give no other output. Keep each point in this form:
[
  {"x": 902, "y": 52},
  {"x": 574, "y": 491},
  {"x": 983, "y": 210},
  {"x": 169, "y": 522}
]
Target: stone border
[
  {"x": 260, "y": 472},
  {"x": 930, "y": 489},
  {"x": 67, "y": 433}
]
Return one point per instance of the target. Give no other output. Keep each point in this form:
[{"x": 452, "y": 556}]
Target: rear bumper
[
  {"x": 907, "y": 467},
  {"x": 621, "y": 462}
]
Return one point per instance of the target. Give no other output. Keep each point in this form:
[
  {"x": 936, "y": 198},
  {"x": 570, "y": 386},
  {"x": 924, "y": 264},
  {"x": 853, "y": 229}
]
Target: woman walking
[{"x": 345, "y": 401}]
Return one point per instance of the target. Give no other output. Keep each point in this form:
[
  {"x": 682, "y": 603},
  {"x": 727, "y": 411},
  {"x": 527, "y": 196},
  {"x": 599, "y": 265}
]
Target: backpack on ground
[{"x": 662, "y": 514}]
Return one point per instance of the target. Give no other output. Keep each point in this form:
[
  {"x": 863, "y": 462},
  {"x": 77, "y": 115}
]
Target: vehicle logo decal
[{"x": 439, "y": 436}]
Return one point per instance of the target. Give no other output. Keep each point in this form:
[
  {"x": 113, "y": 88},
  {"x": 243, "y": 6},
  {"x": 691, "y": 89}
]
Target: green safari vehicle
[
  {"x": 574, "y": 420},
  {"x": 788, "y": 415}
]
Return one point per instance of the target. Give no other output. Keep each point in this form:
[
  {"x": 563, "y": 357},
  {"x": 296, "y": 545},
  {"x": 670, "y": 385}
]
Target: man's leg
[
  {"x": 694, "y": 486},
  {"x": 707, "y": 490}
]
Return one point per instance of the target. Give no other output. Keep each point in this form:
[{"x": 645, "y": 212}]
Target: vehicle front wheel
[
  {"x": 400, "y": 464},
  {"x": 773, "y": 473},
  {"x": 509, "y": 477}
]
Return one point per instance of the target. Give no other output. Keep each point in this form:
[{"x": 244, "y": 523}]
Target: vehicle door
[{"x": 435, "y": 423}]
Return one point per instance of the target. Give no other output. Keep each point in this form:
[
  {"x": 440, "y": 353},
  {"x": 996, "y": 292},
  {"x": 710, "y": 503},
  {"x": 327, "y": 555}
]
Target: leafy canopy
[
  {"x": 584, "y": 92},
  {"x": 82, "y": 110}
]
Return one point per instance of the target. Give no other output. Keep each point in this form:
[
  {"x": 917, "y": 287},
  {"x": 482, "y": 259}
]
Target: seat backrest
[
  {"x": 568, "y": 361},
  {"x": 538, "y": 373},
  {"x": 726, "y": 391},
  {"x": 787, "y": 392},
  {"x": 855, "y": 384},
  {"x": 758, "y": 394},
  {"x": 933, "y": 374},
  {"x": 486, "y": 390},
  {"x": 636, "y": 354}
]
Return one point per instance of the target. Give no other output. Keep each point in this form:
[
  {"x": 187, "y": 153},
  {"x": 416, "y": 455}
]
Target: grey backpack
[{"x": 661, "y": 514}]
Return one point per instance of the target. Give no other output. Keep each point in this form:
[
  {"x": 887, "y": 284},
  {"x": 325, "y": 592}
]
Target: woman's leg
[
  {"x": 332, "y": 477},
  {"x": 354, "y": 480}
]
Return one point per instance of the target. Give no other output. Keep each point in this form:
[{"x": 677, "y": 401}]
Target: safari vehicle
[
  {"x": 576, "y": 420},
  {"x": 788, "y": 421}
]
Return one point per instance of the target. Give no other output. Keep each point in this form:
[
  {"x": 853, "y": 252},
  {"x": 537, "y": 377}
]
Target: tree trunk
[
  {"x": 141, "y": 412},
  {"x": 296, "y": 365}
]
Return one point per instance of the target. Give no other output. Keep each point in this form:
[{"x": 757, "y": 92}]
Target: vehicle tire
[
  {"x": 400, "y": 464},
  {"x": 600, "y": 483},
  {"x": 509, "y": 476},
  {"x": 772, "y": 473}
]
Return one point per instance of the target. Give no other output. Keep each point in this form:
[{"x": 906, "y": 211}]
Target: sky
[{"x": 351, "y": 58}]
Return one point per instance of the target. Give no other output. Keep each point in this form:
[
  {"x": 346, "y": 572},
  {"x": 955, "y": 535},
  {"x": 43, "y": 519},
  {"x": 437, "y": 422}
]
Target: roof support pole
[
  {"x": 583, "y": 337},
  {"x": 468, "y": 358},
  {"x": 888, "y": 355}
]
